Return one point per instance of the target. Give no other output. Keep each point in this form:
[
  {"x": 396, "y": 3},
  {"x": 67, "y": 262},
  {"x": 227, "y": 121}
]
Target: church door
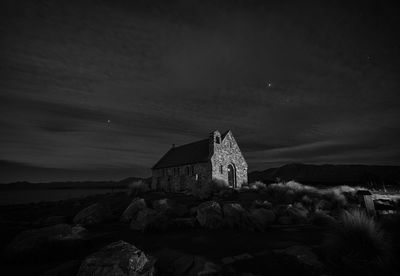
[{"x": 231, "y": 176}]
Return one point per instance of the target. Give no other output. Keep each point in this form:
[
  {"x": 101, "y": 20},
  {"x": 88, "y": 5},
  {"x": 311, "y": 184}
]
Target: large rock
[
  {"x": 261, "y": 218},
  {"x": 261, "y": 204},
  {"x": 93, "y": 214},
  {"x": 134, "y": 207},
  {"x": 285, "y": 220},
  {"x": 235, "y": 216},
  {"x": 303, "y": 255},
  {"x": 65, "y": 269},
  {"x": 184, "y": 223},
  {"x": 118, "y": 258},
  {"x": 298, "y": 213},
  {"x": 172, "y": 262},
  {"x": 209, "y": 215},
  {"x": 149, "y": 219},
  {"x": 321, "y": 218},
  {"x": 323, "y": 205},
  {"x": 170, "y": 207},
  {"x": 53, "y": 220},
  {"x": 37, "y": 240}
]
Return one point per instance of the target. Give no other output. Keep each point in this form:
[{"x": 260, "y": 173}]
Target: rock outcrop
[
  {"x": 118, "y": 258},
  {"x": 134, "y": 207},
  {"x": 209, "y": 215},
  {"x": 93, "y": 214},
  {"x": 235, "y": 216},
  {"x": 261, "y": 218}
]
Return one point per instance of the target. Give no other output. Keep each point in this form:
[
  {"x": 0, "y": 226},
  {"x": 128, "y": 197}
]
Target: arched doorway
[{"x": 231, "y": 176}]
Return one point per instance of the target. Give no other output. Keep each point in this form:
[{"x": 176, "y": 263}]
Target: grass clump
[
  {"x": 137, "y": 188},
  {"x": 205, "y": 189},
  {"x": 356, "y": 245}
]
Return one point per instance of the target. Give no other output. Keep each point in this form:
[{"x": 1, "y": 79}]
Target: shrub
[
  {"x": 206, "y": 189},
  {"x": 137, "y": 188},
  {"x": 258, "y": 185},
  {"x": 356, "y": 245}
]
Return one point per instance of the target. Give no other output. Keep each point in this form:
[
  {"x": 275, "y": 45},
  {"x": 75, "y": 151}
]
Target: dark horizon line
[{"x": 147, "y": 177}]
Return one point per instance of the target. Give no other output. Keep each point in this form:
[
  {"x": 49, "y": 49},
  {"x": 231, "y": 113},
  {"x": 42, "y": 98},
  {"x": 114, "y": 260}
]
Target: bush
[
  {"x": 356, "y": 245},
  {"x": 206, "y": 189},
  {"x": 258, "y": 185},
  {"x": 138, "y": 188},
  {"x": 290, "y": 192}
]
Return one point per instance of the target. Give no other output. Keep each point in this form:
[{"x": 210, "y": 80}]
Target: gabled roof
[
  {"x": 224, "y": 134},
  {"x": 196, "y": 152}
]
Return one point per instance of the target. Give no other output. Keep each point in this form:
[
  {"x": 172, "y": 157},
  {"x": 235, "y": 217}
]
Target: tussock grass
[
  {"x": 292, "y": 192},
  {"x": 206, "y": 189},
  {"x": 138, "y": 188},
  {"x": 357, "y": 245}
]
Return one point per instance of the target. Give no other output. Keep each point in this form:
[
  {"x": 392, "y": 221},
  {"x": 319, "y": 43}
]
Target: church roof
[{"x": 196, "y": 152}]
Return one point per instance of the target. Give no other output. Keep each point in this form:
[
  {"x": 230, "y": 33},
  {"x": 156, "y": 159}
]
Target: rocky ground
[{"x": 237, "y": 233}]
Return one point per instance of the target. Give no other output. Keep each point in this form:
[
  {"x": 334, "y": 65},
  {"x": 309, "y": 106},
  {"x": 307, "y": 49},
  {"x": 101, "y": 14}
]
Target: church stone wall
[
  {"x": 227, "y": 152},
  {"x": 175, "y": 179}
]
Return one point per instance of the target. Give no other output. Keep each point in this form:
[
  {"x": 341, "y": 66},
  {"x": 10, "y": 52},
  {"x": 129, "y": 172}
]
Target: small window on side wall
[{"x": 218, "y": 140}]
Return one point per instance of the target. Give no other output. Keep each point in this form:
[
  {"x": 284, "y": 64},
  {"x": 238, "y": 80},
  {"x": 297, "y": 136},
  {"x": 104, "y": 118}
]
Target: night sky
[{"x": 101, "y": 89}]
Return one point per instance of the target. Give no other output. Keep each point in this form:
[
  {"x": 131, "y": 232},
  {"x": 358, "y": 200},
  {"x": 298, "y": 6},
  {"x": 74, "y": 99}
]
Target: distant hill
[
  {"x": 71, "y": 184},
  {"x": 331, "y": 174}
]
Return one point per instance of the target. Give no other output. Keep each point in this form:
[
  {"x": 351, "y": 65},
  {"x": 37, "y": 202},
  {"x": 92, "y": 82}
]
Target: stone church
[{"x": 215, "y": 158}]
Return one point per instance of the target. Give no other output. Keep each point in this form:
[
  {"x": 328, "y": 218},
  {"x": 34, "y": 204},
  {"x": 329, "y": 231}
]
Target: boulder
[
  {"x": 170, "y": 207},
  {"x": 261, "y": 204},
  {"x": 77, "y": 232},
  {"x": 173, "y": 262},
  {"x": 149, "y": 219},
  {"x": 303, "y": 255},
  {"x": 52, "y": 220},
  {"x": 184, "y": 223},
  {"x": 65, "y": 269},
  {"x": 261, "y": 218},
  {"x": 93, "y": 214},
  {"x": 323, "y": 205},
  {"x": 321, "y": 218},
  {"x": 281, "y": 210},
  {"x": 209, "y": 215},
  {"x": 134, "y": 207},
  {"x": 285, "y": 220},
  {"x": 298, "y": 213},
  {"x": 118, "y": 258},
  {"x": 37, "y": 240},
  {"x": 235, "y": 216}
]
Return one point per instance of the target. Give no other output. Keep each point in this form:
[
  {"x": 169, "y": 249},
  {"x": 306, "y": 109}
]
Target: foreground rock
[
  {"x": 298, "y": 213},
  {"x": 304, "y": 256},
  {"x": 118, "y": 258},
  {"x": 235, "y": 216},
  {"x": 209, "y": 215},
  {"x": 261, "y": 218},
  {"x": 93, "y": 214},
  {"x": 53, "y": 220},
  {"x": 65, "y": 269},
  {"x": 46, "y": 239},
  {"x": 134, "y": 207},
  {"x": 172, "y": 262},
  {"x": 170, "y": 207},
  {"x": 149, "y": 219}
]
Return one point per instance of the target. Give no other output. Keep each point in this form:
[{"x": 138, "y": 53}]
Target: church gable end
[{"x": 227, "y": 161}]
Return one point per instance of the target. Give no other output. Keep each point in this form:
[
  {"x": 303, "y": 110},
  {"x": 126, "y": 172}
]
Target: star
[
  {"x": 108, "y": 121},
  {"x": 269, "y": 84}
]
